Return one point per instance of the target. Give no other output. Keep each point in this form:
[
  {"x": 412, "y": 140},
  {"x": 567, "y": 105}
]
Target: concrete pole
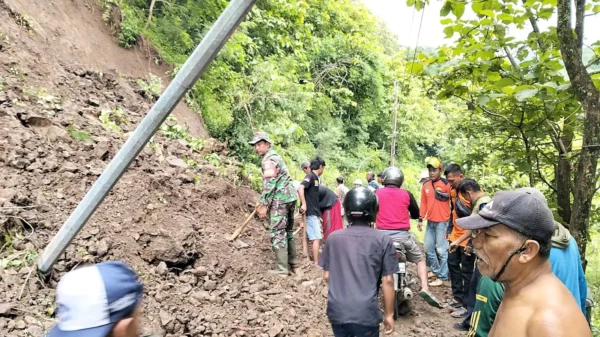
[
  {"x": 189, "y": 73},
  {"x": 394, "y": 133}
]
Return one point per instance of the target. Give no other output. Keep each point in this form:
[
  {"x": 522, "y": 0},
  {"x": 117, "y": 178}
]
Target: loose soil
[{"x": 166, "y": 217}]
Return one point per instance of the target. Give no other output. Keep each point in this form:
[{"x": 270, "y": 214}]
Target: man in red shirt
[
  {"x": 396, "y": 207},
  {"x": 435, "y": 207}
]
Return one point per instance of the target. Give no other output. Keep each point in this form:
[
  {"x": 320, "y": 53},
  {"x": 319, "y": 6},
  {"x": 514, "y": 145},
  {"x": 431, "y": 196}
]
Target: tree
[
  {"x": 571, "y": 45},
  {"x": 520, "y": 101}
]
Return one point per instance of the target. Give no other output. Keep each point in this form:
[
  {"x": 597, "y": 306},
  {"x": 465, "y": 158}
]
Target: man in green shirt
[{"x": 488, "y": 298}]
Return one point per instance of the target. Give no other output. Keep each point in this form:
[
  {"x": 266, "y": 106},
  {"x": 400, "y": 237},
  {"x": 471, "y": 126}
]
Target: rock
[
  {"x": 186, "y": 288},
  {"x": 325, "y": 291},
  {"x": 255, "y": 288},
  {"x": 314, "y": 333},
  {"x": 176, "y": 162},
  {"x": 200, "y": 271},
  {"x": 35, "y": 330},
  {"x": 165, "y": 317},
  {"x": 239, "y": 244},
  {"x": 96, "y": 171},
  {"x": 68, "y": 167},
  {"x": 274, "y": 331},
  {"x": 7, "y": 194},
  {"x": 20, "y": 325},
  {"x": 162, "y": 268},
  {"x": 36, "y": 165},
  {"x": 210, "y": 285},
  {"x": 5, "y": 308},
  {"x": 31, "y": 321},
  {"x": 187, "y": 177},
  {"x": 201, "y": 295},
  {"x": 308, "y": 283},
  {"x": 102, "y": 247},
  {"x": 101, "y": 150},
  {"x": 93, "y": 101}
]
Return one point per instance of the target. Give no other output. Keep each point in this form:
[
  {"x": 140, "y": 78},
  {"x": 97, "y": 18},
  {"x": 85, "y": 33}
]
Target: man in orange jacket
[
  {"x": 460, "y": 261},
  {"x": 435, "y": 207}
]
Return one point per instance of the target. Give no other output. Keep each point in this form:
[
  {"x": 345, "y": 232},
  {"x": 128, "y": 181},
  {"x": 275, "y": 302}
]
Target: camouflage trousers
[{"x": 282, "y": 224}]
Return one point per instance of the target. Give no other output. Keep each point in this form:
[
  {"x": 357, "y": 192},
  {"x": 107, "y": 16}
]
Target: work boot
[
  {"x": 291, "y": 249},
  {"x": 282, "y": 263}
]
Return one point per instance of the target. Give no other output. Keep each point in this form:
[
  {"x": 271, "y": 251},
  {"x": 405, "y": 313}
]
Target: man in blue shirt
[{"x": 565, "y": 258}]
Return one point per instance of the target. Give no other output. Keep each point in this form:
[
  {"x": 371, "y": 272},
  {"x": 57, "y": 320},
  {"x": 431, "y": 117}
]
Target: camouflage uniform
[{"x": 280, "y": 197}]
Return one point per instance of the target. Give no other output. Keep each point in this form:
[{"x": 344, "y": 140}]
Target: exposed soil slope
[{"x": 66, "y": 32}]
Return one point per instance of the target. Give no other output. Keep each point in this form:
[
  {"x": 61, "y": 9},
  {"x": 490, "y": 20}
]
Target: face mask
[{"x": 518, "y": 251}]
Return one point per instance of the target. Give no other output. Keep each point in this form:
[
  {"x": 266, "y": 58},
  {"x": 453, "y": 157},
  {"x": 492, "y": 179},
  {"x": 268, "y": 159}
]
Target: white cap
[
  {"x": 424, "y": 175},
  {"x": 358, "y": 182}
]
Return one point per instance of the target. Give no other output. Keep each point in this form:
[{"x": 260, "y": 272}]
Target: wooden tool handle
[{"x": 241, "y": 228}]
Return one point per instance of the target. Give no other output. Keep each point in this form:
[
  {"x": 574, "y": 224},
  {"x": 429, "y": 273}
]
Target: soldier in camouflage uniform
[{"x": 279, "y": 199}]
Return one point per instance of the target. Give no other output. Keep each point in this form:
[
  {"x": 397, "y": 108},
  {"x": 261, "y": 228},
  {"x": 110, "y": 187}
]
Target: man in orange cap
[{"x": 435, "y": 207}]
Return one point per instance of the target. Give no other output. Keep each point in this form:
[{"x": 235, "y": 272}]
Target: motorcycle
[{"x": 402, "y": 283}]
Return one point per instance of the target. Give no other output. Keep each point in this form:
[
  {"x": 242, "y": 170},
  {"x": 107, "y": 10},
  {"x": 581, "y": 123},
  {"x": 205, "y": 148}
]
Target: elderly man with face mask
[{"x": 512, "y": 240}]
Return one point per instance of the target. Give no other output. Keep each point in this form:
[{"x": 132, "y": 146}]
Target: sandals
[
  {"x": 459, "y": 313},
  {"x": 430, "y": 299},
  {"x": 455, "y": 304}
]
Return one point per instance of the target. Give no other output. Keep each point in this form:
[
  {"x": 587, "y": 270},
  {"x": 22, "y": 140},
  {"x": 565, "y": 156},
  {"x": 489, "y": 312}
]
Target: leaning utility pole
[
  {"x": 394, "y": 133},
  {"x": 189, "y": 73}
]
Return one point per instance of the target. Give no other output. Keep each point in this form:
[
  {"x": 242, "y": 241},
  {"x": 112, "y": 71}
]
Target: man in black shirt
[
  {"x": 308, "y": 191},
  {"x": 358, "y": 260}
]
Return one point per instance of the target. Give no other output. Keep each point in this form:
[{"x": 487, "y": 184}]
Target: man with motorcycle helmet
[
  {"x": 358, "y": 260},
  {"x": 396, "y": 207}
]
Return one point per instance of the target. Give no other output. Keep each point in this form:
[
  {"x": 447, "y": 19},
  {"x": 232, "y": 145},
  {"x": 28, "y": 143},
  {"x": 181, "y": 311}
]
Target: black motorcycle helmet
[
  {"x": 393, "y": 176},
  {"x": 361, "y": 204}
]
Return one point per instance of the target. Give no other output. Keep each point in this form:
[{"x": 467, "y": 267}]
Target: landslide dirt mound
[
  {"x": 61, "y": 122},
  {"x": 66, "y": 32}
]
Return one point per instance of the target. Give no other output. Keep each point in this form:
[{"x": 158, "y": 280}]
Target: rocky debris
[{"x": 162, "y": 268}]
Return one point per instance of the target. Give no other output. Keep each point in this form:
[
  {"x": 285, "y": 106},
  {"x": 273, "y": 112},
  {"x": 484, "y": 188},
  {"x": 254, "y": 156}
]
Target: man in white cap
[
  {"x": 358, "y": 183},
  {"x": 101, "y": 300}
]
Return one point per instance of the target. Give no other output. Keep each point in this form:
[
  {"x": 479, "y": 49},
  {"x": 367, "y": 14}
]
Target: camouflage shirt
[{"x": 277, "y": 183}]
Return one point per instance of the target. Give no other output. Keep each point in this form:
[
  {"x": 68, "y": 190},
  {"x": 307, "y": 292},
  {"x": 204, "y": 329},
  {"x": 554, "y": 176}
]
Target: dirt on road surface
[{"x": 62, "y": 119}]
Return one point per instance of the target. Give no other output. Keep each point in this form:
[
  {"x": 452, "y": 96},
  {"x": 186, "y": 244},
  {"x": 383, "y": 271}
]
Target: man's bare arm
[
  {"x": 387, "y": 286},
  {"x": 301, "y": 194},
  {"x": 326, "y": 276}
]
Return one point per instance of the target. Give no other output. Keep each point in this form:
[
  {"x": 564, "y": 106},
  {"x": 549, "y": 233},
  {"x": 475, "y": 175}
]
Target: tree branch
[
  {"x": 534, "y": 26},
  {"x": 537, "y": 162},
  {"x": 510, "y": 58},
  {"x": 579, "y": 18}
]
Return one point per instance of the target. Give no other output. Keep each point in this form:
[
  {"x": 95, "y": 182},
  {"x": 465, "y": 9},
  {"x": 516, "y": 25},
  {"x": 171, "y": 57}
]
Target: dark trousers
[
  {"x": 460, "y": 266},
  {"x": 471, "y": 297},
  {"x": 354, "y": 330}
]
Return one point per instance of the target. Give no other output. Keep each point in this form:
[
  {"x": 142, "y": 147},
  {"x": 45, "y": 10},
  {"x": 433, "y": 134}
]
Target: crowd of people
[{"x": 512, "y": 269}]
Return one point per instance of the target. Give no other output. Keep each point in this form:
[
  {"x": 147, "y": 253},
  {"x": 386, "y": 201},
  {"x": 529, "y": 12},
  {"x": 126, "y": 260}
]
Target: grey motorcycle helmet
[{"x": 393, "y": 176}]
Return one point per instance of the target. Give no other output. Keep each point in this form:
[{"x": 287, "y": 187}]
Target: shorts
[
  {"x": 313, "y": 228},
  {"x": 412, "y": 250}
]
